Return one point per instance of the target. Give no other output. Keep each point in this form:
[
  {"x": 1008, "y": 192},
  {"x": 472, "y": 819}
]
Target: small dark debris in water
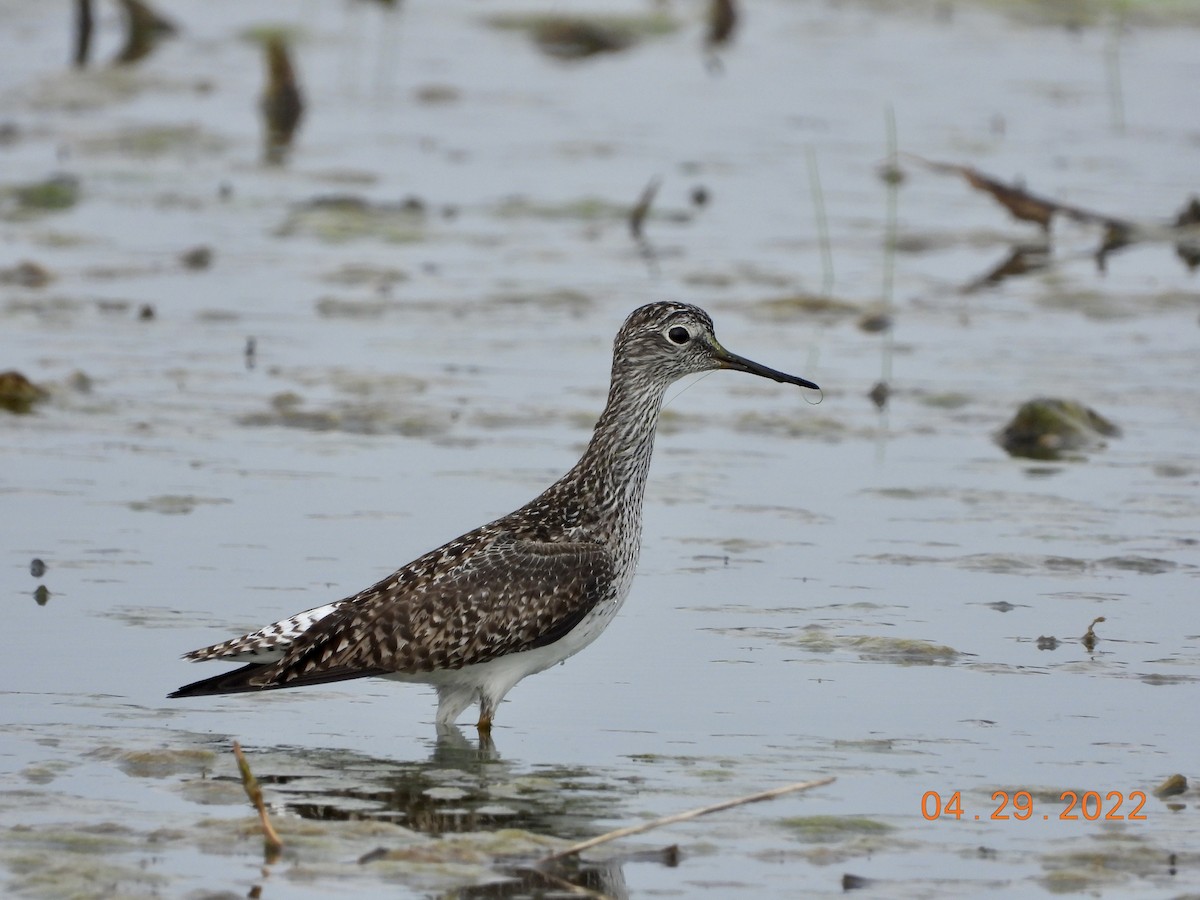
[
  {"x": 83, "y": 32},
  {"x": 146, "y": 312},
  {"x": 37, "y": 568},
  {"x": 436, "y": 94},
  {"x": 986, "y": 852},
  {"x": 10, "y": 133},
  {"x": 573, "y": 37},
  {"x": 1022, "y": 260},
  {"x": 1189, "y": 250},
  {"x": 250, "y": 352},
  {"x": 26, "y": 274},
  {"x": 373, "y": 856},
  {"x": 576, "y": 38},
  {"x": 41, "y": 594},
  {"x": 891, "y": 174},
  {"x": 1089, "y": 638},
  {"x": 722, "y": 22},
  {"x": 225, "y": 191},
  {"x": 18, "y": 394},
  {"x": 1002, "y": 606},
  {"x": 700, "y": 196},
  {"x": 197, "y": 258},
  {"x": 1052, "y": 428},
  {"x": 855, "y": 882},
  {"x": 1048, "y": 643},
  {"x": 282, "y": 103},
  {"x": 144, "y": 29},
  {"x": 1190, "y": 214},
  {"x": 1176, "y": 784},
  {"x": 670, "y": 856},
  {"x": 637, "y": 216},
  {"x": 874, "y": 323},
  {"x": 80, "y": 381},
  {"x": 879, "y": 394},
  {"x": 1117, "y": 236}
]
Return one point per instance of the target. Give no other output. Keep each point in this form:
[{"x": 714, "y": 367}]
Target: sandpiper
[{"x": 520, "y": 594}]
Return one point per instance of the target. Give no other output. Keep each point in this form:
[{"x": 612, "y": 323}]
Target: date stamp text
[{"x": 1091, "y": 806}]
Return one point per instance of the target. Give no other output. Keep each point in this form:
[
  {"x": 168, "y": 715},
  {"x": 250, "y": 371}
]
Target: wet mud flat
[{"x": 249, "y": 367}]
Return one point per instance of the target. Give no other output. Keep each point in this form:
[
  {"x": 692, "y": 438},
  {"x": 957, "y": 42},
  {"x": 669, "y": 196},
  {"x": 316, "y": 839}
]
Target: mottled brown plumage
[{"x": 517, "y": 595}]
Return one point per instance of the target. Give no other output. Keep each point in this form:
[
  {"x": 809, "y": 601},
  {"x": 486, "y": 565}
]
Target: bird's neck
[
  {"x": 621, "y": 445},
  {"x": 610, "y": 477}
]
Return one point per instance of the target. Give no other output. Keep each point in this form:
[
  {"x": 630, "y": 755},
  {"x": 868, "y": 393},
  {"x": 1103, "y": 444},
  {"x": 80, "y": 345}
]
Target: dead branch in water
[
  {"x": 272, "y": 845},
  {"x": 684, "y": 817}
]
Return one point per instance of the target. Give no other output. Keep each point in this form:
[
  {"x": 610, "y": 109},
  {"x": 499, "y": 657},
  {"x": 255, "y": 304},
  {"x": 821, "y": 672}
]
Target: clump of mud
[
  {"x": 1052, "y": 428},
  {"x": 18, "y": 394}
]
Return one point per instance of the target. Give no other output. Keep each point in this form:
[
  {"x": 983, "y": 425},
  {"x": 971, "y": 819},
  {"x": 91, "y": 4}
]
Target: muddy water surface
[{"x": 431, "y": 283}]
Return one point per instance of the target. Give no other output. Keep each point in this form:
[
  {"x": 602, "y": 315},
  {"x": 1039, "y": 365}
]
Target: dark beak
[{"x": 728, "y": 360}]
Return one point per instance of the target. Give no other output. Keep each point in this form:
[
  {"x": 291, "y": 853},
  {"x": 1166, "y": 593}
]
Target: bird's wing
[{"x": 516, "y": 595}]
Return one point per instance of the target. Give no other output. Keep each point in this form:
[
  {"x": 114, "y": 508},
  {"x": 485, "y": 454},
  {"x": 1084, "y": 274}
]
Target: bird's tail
[{"x": 235, "y": 682}]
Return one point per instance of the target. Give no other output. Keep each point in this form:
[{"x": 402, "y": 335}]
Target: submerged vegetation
[{"x": 580, "y": 36}]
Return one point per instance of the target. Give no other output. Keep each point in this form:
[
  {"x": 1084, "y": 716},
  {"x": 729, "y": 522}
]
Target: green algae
[
  {"x": 165, "y": 761},
  {"x": 802, "y": 307},
  {"x": 35, "y": 198},
  {"x": 821, "y": 829},
  {"x": 792, "y": 426},
  {"x": 155, "y": 141},
  {"x": 1111, "y": 858},
  {"x": 944, "y": 400},
  {"x": 380, "y": 278},
  {"x": 361, "y": 415},
  {"x": 568, "y": 300},
  {"x": 173, "y": 504},
  {"x": 340, "y": 218},
  {"x": 877, "y": 648},
  {"x": 583, "y": 209}
]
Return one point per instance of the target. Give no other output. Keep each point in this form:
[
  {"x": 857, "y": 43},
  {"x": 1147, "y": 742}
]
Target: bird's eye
[{"x": 679, "y": 335}]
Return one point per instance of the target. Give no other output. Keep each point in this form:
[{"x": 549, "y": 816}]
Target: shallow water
[{"x": 824, "y": 589}]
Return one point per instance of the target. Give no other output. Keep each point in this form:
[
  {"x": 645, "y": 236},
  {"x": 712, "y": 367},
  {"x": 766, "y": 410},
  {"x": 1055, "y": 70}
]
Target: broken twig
[
  {"x": 1022, "y": 204},
  {"x": 684, "y": 817},
  {"x": 637, "y": 215},
  {"x": 272, "y": 845}
]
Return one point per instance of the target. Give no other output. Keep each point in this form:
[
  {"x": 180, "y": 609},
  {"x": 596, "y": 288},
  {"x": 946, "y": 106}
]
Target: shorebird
[{"x": 520, "y": 594}]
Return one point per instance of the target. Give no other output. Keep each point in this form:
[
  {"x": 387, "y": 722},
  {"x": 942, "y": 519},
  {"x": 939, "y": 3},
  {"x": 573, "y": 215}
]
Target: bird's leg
[{"x": 487, "y": 711}]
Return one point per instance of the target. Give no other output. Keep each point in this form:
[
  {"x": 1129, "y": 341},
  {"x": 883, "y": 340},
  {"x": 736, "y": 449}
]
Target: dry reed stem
[
  {"x": 685, "y": 816},
  {"x": 273, "y": 846}
]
